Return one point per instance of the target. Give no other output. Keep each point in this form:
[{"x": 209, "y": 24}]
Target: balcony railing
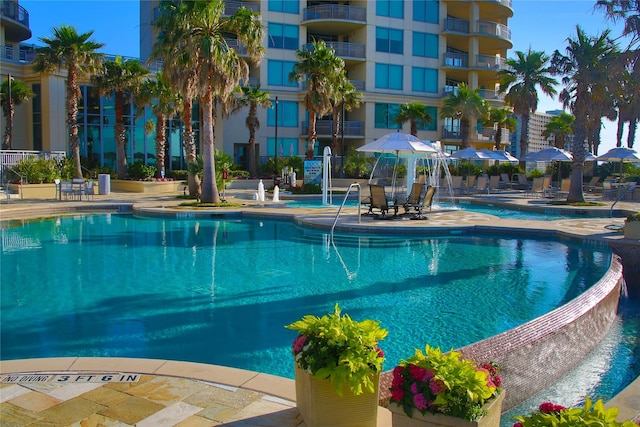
[
  {"x": 494, "y": 29},
  {"x": 358, "y": 84},
  {"x": 10, "y": 158},
  {"x": 456, "y": 25},
  {"x": 9, "y": 53},
  {"x": 491, "y": 62},
  {"x": 11, "y": 9},
  {"x": 491, "y": 94},
  {"x": 231, "y": 7},
  {"x": 335, "y": 11},
  {"x": 237, "y": 46},
  {"x": 454, "y": 133},
  {"x": 342, "y": 49},
  {"x": 458, "y": 60},
  {"x": 325, "y": 127}
]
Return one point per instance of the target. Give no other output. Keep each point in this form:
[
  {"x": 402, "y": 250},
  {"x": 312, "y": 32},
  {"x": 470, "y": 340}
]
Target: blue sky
[{"x": 542, "y": 25}]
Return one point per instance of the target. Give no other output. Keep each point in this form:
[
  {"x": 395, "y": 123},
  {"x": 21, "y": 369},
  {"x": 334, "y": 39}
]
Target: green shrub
[
  {"x": 35, "y": 170},
  {"x": 177, "y": 174},
  {"x": 535, "y": 173},
  {"x": 139, "y": 170}
]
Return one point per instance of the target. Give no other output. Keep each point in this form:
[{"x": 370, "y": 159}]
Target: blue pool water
[
  {"x": 501, "y": 212},
  {"x": 220, "y": 292}
]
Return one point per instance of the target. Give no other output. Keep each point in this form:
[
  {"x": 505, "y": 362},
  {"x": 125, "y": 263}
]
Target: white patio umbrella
[
  {"x": 398, "y": 143},
  {"x": 470, "y": 153},
  {"x": 500, "y": 155},
  {"x": 620, "y": 154},
  {"x": 551, "y": 154}
]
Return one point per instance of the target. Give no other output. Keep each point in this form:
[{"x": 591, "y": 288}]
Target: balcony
[
  {"x": 358, "y": 84},
  {"x": 334, "y": 18},
  {"x": 15, "y": 20},
  {"x": 237, "y": 46},
  {"x": 23, "y": 55},
  {"x": 455, "y": 25},
  {"x": 491, "y": 94},
  {"x": 325, "y": 128},
  {"x": 493, "y": 29},
  {"x": 451, "y": 133},
  {"x": 455, "y": 60},
  {"x": 231, "y": 7},
  {"x": 343, "y": 50},
  {"x": 490, "y": 62}
]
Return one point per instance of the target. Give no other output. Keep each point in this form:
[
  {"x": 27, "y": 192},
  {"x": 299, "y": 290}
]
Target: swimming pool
[
  {"x": 550, "y": 214},
  {"x": 220, "y": 292}
]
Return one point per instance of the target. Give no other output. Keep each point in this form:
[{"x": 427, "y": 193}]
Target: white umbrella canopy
[
  {"x": 551, "y": 154},
  {"x": 620, "y": 154},
  {"x": 500, "y": 155},
  {"x": 470, "y": 153},
  {"x": 398, "y": 143}
]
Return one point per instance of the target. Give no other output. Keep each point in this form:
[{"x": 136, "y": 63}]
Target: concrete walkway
[{"x": 171, "y": 393}]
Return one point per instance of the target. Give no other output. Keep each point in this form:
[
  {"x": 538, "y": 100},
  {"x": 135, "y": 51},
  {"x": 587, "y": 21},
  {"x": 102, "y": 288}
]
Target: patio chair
[
  {"x": 470, "y": 184},
  {"x": 482, "y": 185},
  {"x": 505, "y": 182},
  {"x": 417, "y": 202},
  {"x": 494, "y": 184},
  {"x": 537, "y": 188},
  {"x": 608, "y": 192},
  {"x": 565, "y": 185},
  {"x": 380, "y": 203},
  {"x": 592, "y": 186},
  {"x": 66, "y": 190},
  {"x": 456, "y": 184},
  {"x": 414, "y": 199},
  {"x": 546, "y": 186},
  {"x": 88, "y": 190},
  {"x": 522, "y": 184}
]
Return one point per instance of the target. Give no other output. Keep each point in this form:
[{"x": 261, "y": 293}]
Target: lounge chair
[
  {"x": 546, "y": 186},
  {"x": 505, "y": 182},
  {"x": 456, "y": 184},
  {"x": 380, "y": 203},
  {"x": 416, "y": 202},
  {"x": 523, "y": 184},
  {"x": 482, "y": 184},
  {"x": 494, "y": 184},
  {"x": 470, "y": 184},
  {"x": 565, "y": 185},
  {"x": 537, "y": 188},
  {"x": 592, "y": 186}
]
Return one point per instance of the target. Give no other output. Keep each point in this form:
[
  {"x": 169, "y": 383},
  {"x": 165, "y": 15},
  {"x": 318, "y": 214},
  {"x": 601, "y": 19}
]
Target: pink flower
[
  {"x": 416, "y": 372},
  {"x": 380, "y": 353},
  {"x": 397, "y": 381},
  {"x": 420, "y": 401},
  {"x": 298, "y": 343},
  {"x": 497, "y": 380},
  {"x": 518, "y": 424},
  {"x": 414, "y": 388},
  {"x": 428, "y": 374},
  {"x": 436, "y": 386},
  {"x": 397, "y": 394},
  {"x": 548, "y": 408}
]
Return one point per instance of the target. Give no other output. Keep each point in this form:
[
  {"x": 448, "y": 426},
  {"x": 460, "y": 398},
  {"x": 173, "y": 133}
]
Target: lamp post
[
  {"x": 275, "y": 180},
  {"x": 10, "y": 109}
]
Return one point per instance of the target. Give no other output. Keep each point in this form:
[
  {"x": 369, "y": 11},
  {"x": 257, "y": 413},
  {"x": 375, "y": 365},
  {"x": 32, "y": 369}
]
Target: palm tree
[
  {"x": 346, "y": 98},
  {"x": 501, "y": 118},
  {"x": 252, "y": 97},
  {"x": 123, "y": 80},
  {"x": 178, "y": 69},
  {"x": 165, "y": 103},
  {"x": 416, "y": 114},
  {"x": 319, "y": 67},
  {"x": 560, "y": 127},
  {"x": 465, "y": 105},
  {"x": 9, "y": 99},
  {"x": 77, "y": 53},
  {"x": 628, "y": 104},
  {"x": 203, "y": 33},
  {"x": 521, "y": 80},
  {"x": 585, "y": 68}
]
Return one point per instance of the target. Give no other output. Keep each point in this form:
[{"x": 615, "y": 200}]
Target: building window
[
  {"x": 386, "y": 115},
  {"x": 433, "y": 125},
  {"x": 426, "y": 11},
  {"x": 287, "y": 114},
  {"x": 390, "y": 8},
  {"x": 36, "y": 110},
  {"x": 389, "y": 40},
  {"x": 424, "y": 79},
  {"x": 283, "y": 36},
  {"x": 388, "y": 76},
  {"x": 278, "y": 73},
  {"x": 286, "y": 6},
  {"x": 425, "y": 44},
  {"x": 287, "y": 147}
]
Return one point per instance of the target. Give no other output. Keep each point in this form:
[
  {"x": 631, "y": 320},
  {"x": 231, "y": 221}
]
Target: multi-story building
[
  {"x": 537, "y": 125},
  {"x": 395, "y": 51}
]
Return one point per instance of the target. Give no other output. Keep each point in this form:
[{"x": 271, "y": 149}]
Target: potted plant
[
  {"x": 337, "y": 365},
  {"x": 551, "y": 415},
  {"x": 632, "y": 226},
  {"x": 443, "y": 389}
]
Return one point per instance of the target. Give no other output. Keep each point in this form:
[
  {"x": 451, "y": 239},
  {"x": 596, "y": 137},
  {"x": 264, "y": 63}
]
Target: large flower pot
[
  {"x": 492, "y": 419},
  {"x": 632, "y": 229},
  {"x": 320, "y": 405}
]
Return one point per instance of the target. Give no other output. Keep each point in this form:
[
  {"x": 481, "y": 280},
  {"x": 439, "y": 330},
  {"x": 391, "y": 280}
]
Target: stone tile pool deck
[{"x": 173, "y": 393}]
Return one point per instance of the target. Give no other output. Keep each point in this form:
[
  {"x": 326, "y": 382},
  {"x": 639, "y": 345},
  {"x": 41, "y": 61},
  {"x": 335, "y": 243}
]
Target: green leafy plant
[
  {"x": 340, "y": 349},
  {"x": 139, "y": 170},
  {"x": 535, "y": 173},
  {"x": 633, "y": 217},
  {"x": 551, "y": 415},
  {"x": 444, "y": 383}
]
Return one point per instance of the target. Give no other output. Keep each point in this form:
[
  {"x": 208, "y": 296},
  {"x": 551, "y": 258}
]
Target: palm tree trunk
[
  {"x": 335, "y": 132},
  {"x": 119, "y": 133},
  {"x": 9, "y": 110},
  {"x": 209, "y": 187},
  {"x": 620, "y": 131},
  {"x": 576, "y": 194},
  {"x": 633, "y": 124},
  {"x": 160, "y": 143},
  {"x": 311, "y": 135},
  {"x": 524, "y": 136},
  {"x": 193, "y": 181},
  {"x": 466, "y": 125},
  {"x": 252, "y": 121},
  {"x": 73, "y": 93},
  {"x": 498, "y": 137}
]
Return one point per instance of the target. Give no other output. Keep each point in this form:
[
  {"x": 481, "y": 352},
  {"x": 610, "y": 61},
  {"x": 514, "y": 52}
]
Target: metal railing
[
  {"x": 452, "y": 59},
  {"x": 457, "y": 25},
  {"x": 493, "y": 28},
  {"x": 231, "y": 7},
  {"x": 630, "y": 187},
  {"x": 335, "y": 11},
  {"x": 10, "y": 158},
  {"x": 11, "y": 9},
  {"x": 491, "y": 62},
  {"x": 21, "y": 54},
  {"x": 325, "y": 127},
  {"x": 346, "y": 196},
  {"x": 342, "y": 49}
]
